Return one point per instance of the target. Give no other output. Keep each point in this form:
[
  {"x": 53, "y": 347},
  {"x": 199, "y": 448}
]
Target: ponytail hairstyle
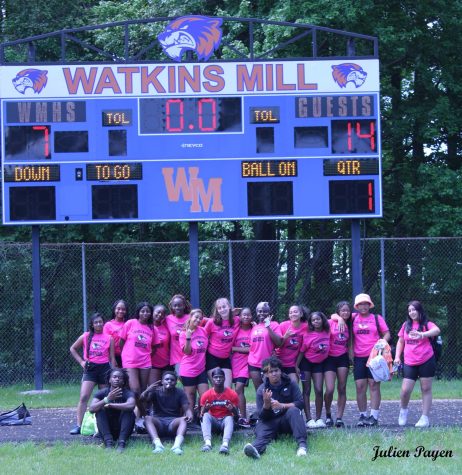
[
  {"x": 325, "y": 322},
  {"x": 114, "y": 307},
  {"x": 91, "y": 330},
  {"x": 192, "y": 314},
  {"x": 187, "y": 305},
  {"x": 423, "y": 319},
  {"x": 304, "y": 311},
  {"x": 217, "y": 318},
  {"x": 138, "y": 310}
]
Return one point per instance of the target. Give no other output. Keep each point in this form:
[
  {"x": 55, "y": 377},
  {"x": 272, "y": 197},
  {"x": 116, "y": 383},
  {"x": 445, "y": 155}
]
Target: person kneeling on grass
[
  {"x": 279, "y": 409},
  {"x": 170, "y": 412},
  {"x": 113, "y": 407},
  {"x": 218, "y": 411}
]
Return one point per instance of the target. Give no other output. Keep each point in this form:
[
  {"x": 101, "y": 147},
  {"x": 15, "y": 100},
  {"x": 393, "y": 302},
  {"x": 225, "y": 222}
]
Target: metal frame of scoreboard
[{"x": 192, "y": 141}]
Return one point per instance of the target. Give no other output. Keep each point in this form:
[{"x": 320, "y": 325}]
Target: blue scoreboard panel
[{"x": 190, "y": 142}]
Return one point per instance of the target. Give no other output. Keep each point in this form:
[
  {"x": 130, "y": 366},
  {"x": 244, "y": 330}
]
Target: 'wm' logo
[{"x": 192, "y": 189}]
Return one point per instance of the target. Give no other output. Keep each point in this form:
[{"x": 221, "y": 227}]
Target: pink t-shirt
[
  {"x": 113, "y": 328},
  {"x": 175, "y": 326},
  {"x": 289, "y": 350},
  {"x": 239, "y": 361},
  {"x": 194, "y": 364},
  {"x": 99, "y": 348},
  {"x": 315, "y": 346},
  {"x": 160, "y": 357},
  {"x": 221, "y": 337},
  {"x": 139, "y": 340},
  {"x": 416, "y": 352},
  {"x": 366, "y": 334},
  {"x": 338, "y": 339},
  {"x": 261, "y": 345}
]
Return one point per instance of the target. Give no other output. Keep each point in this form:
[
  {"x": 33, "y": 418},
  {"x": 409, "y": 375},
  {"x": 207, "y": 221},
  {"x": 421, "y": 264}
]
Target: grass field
[
  {"x": 334, "y": 452},
  {"x": 67, "y": 395}
]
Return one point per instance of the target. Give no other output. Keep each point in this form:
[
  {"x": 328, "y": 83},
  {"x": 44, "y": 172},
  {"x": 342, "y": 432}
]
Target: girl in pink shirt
[
  {"x": 366, "y": 330},
  {"x": 193, "y": 343},
  {"x": 137, "y": 339},
  {"x": 337, "y": 363},
  {"x": 239, "y": 362},
  {"x": 160, "y": 358},
  {"x": 179, "y": 313},
  {"x": 419, "y": 360},
  {"x": 292, "y": 331},
  {"x": 221, "y": 329},
  {"x": 264, "y": 338},
  {"x": 313, "y": 353},
  {"x": 114, "y": 326},
  {"x": 97, "y": 353}
]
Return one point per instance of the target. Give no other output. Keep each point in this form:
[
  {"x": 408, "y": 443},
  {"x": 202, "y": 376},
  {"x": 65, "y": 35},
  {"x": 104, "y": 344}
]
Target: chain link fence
[{"x": 78, "y": 279}]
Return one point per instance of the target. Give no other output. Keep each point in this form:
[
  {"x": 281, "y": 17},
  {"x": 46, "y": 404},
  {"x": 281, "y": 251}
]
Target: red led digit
[
  {"x": 370, "y": 196},
  {"x": 370, "y": 135},
  {"x": 211, "y": 113},
  {"x": 170, "y": 107},
  {"x": 46, "y": 138},
  {"x": 350, "y": 142}
]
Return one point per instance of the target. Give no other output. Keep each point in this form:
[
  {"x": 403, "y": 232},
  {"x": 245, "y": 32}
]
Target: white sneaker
[
  {"x": 402, "y": 419},
  {"x": 177, "y": 450},
  {"x": 320, "y": 424},
  {"x": 311, "y": 424},
  {"x": 301, "y": 452},
  {"x": 423, "y": 421}
]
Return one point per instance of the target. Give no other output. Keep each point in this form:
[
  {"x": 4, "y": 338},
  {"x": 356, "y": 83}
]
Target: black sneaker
[
  {"x": 371, "y": 421},
  {"x": 251, "y": 451},
  {"x": 362, "y": 421},
  {"x": 329, "y": 422},
  {"x": 121, "y": 446},
  {"x": 339, "y": 423},
  {"x": 75, "y": 430}
]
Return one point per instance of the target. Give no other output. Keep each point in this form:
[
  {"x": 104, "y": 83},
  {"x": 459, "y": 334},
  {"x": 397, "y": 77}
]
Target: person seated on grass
[
  {"x": 218, "y": 411},
  {"x": 169, "y": 414},
  {"x": 279, "y": 409},
  {"x": 114, "y": 407}
]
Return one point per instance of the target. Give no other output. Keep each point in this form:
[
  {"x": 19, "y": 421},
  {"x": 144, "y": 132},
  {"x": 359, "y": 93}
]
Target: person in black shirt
[
  {"x": 279, "y": 409},
  {"x": 113, "y": 407},
  {"x": 170, "y": 412}
]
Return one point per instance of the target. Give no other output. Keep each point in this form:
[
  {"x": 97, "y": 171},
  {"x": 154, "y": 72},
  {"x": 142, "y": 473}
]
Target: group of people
[{"x": 145, "y": 355}]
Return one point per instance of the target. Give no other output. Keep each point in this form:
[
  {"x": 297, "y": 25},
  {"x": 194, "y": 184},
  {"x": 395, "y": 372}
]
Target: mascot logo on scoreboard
[
  {"x": 35, "y": 79},
  {"x": 194, "y": 33},
  {"x": 349, "y": 72}
]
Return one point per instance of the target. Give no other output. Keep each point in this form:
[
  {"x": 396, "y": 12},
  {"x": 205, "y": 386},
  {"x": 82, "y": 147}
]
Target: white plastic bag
[{"x": 379, "y": 368}]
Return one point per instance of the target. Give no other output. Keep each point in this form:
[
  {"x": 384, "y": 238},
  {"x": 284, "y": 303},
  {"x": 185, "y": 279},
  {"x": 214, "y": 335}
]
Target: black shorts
[
  {"x": 424, "y": 370},
  {"x": 309, "y": 367},
  {"x": 169, "y": 367},
  {"x": 289, "y": 369},
  {"x": 241, "y": 379},
  {"x": 195, "y": 380},
  {"x": 118, "y": 359},
  {"x": 96, "y": 373},
  {"x": 332, "y": 363},
  {"x": 360, "y": 370},
  {"x": 254, "y": 369},
  {"x": 164, "y": 425},
  {"x": 212, "y": 362}
]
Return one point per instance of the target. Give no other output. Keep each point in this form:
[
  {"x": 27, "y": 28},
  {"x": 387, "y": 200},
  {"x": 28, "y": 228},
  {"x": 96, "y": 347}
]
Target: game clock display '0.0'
[{"x": 191, "y": 157}]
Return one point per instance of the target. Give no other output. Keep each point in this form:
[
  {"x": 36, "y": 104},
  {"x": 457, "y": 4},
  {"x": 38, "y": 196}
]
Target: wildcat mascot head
[
  {"x": 349, "y": 72},
  {"x": 194, "y": 32},
  {"x": 36, "y": 79}
]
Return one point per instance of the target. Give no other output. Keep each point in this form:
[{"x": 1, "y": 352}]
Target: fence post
[
  {"x": 231, "y": 276},
  {"x": 356, "y": 266},
  {"x": 37, "y": 308},
  {"x": 194, "y": 263},
  {"x": 382, "y": 277},
  {"x": 84, "y": 290}
]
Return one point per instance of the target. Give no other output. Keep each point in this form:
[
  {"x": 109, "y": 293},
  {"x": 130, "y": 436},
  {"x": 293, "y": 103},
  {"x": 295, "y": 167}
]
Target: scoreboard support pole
[
  {"x": 356, "y": 264},
  {"x": 194, "y": 263},
  {"x": 36, "y": 291}
]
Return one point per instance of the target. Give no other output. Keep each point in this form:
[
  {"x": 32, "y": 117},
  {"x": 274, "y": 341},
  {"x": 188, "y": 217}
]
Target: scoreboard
[{"x": 190, "y": 142}]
